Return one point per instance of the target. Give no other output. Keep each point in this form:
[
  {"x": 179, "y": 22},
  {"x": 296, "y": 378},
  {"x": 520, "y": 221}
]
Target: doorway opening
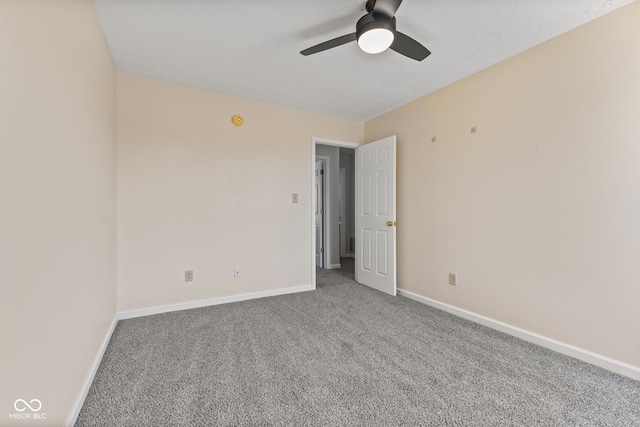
[
  {"x": 375, "y": 212},
  {"x": 333, "y": 215}
]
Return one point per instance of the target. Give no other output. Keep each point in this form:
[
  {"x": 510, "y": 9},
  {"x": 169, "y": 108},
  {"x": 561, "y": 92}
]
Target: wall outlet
[
  {"x": 188, "y": 276},
  {"x": 453, "y": 279},
  {"x": 236, "y": 273},
  {"x": 474, "y": 129}
]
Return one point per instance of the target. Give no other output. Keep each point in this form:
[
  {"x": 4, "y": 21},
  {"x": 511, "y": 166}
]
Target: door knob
[{"x": 389, "y": 223}]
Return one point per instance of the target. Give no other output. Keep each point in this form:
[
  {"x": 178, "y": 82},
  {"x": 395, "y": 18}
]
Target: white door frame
[
  {"x": 312, "y": 215},
  {"x": 325, "y": 205}
]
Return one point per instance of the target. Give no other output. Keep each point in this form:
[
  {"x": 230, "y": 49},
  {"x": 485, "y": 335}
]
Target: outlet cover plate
[{"x": 453, "y": 279}]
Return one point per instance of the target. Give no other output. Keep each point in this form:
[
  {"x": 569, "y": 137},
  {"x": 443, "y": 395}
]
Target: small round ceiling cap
[{"x": 237, "y": 120}]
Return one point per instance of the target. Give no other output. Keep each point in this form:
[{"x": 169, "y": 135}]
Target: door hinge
[
  {"x": 321, "y": 250},
  {"x": 321, "y": 171},
  {"x": 321, "y": 211}
]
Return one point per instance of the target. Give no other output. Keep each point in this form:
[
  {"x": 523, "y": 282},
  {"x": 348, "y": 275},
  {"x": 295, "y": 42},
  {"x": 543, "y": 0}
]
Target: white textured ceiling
[{"x": 250, "y": 48}]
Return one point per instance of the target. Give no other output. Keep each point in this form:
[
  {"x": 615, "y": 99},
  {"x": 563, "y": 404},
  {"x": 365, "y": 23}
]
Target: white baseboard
[
  {"x": 212, "y": 301},
  {"x": 334, "y": 266},
  {"x": 87, "y": 384},
  {"x": 605, "y": 362}
]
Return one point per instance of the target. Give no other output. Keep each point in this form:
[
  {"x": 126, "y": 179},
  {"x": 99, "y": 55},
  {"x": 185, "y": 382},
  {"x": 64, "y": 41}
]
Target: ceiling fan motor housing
[{"x": 372, "y": 21}]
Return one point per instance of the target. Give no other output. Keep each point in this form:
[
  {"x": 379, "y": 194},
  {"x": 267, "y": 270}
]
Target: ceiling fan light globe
[{"x": 375, "y": 40}]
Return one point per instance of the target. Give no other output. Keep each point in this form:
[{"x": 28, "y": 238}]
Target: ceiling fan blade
[
  {"x": 408, "y": 47},
  {"x": 386, "y": 7},
  {"x": 338, "y": 41}
]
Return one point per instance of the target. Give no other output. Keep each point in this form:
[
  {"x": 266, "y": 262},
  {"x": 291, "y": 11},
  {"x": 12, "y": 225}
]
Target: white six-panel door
[{"x": 376, "y": 215}]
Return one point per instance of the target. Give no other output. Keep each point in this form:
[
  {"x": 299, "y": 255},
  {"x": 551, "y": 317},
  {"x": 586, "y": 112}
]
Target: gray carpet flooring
[
  {"x": 344, "y": 274},
  {"x": 342, "y": 355}
]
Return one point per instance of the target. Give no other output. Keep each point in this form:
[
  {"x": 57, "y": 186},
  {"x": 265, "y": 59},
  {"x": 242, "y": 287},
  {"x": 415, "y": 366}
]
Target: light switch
[{"x": 294, "y": 198}]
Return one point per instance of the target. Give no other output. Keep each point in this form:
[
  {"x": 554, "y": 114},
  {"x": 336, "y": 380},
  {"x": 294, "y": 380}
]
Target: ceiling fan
[{"x": 376, "y": 32}]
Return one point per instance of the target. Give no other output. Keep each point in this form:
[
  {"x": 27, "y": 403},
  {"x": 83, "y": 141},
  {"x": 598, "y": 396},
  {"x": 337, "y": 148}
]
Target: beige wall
[
  {"x": 197, "y": 193},
  {"x": 538, "y": 212},
  {"x": 57, "y": 195}
]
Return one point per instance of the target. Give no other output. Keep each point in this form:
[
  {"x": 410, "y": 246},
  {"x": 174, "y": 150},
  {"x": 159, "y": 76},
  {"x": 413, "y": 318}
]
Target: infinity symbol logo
[{"x": 22, "y": 405}]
